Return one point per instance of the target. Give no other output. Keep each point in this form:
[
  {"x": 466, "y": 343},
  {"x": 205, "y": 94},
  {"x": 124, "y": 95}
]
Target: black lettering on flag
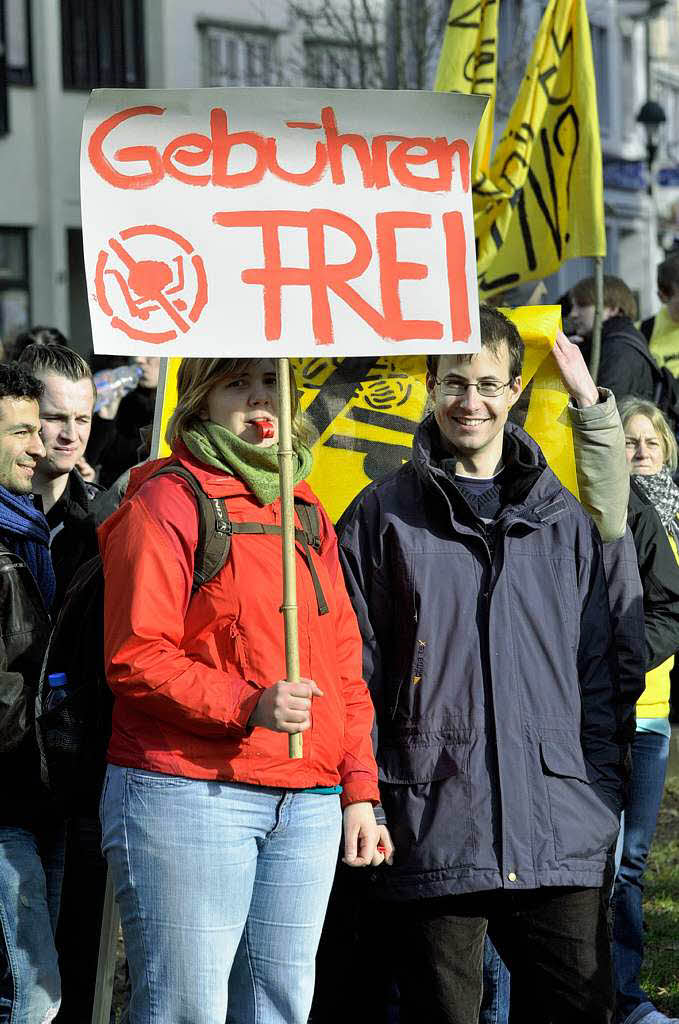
[
  {"x": 466, "y": 18},
  {"x": 570, "y": 114},
  {"x": 552, "y": 223},
  {"x": 380, "y": 456},
  {"x": 337, "y": 391}
]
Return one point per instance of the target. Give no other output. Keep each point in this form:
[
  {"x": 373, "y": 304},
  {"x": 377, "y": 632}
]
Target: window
[
  {"x": 510, "y": 22},
  {"x": 602, "y": 66},
  {"x": 336, "y": 65},
  {"x": 514, "y": 48},
  {"x": 102, "y": 43},
  {"x": 14, "y": 291},
  {"x": 672, "y": 110},
  {"x": 18, "y": 41},
  {"x": 629, "y": 96},
  {"x": 4, "y": 96},
  {"x": 239, "y": 56}
]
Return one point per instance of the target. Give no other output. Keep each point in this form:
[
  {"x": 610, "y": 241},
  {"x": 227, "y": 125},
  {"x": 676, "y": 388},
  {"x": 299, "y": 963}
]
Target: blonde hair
[
  {"x": 630, "y": 407},
  {"x": 195, "y": 380}
]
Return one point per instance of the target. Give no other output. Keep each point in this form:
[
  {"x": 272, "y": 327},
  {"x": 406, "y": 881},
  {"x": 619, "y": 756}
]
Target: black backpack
[{"x": 73, "y": 736}]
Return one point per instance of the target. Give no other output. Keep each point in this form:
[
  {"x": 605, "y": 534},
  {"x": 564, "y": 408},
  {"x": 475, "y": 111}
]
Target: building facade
[{"x": 56, "y": 51}]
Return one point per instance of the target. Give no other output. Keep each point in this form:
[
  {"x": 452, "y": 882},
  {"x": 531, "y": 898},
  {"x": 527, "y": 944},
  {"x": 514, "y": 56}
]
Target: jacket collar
[
  {"x": 535, "y": 496},
  {"x": 215, "y": 483}
]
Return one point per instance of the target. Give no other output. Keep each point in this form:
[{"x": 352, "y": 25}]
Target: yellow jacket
[{"x": 655, "y": 700}]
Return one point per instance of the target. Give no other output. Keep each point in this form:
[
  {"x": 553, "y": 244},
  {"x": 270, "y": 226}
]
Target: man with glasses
[{"x": 479, "y": 587}]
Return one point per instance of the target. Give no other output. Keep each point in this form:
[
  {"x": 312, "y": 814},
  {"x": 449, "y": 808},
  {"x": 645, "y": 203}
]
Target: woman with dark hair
[{"x": 223, "y": 848}]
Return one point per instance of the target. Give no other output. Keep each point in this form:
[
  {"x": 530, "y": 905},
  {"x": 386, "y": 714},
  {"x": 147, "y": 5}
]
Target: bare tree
[{"x": 370, "y": 44}]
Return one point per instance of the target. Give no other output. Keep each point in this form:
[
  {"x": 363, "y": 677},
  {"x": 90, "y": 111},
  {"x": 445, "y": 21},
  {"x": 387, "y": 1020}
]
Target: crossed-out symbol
[{"x": 156, "y": 292}]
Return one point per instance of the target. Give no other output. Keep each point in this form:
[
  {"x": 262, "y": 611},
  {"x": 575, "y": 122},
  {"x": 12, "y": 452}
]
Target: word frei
[{"x": 242, "y": 159}]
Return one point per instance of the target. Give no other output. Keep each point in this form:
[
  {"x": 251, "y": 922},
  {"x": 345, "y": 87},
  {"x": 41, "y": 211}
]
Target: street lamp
[{"x": 650, "y": 117}]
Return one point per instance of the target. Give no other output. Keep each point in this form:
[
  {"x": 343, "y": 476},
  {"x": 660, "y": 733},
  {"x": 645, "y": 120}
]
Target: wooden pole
[
  {"x": 286, "y": 473},
  {"x": 595, "y": 356},
  {"x": 106, "y": 967}
]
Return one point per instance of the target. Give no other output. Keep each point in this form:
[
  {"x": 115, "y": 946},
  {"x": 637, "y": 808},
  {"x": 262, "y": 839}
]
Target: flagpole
[
  {"x": 595, "y": 356},
  {"x": 285, "y": 470}
]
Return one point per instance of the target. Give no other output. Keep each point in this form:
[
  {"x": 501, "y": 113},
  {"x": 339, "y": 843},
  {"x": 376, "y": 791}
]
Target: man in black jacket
[
  {"x": 31, "y": 834},
  {"x": 66, "y": 408},
  {"x": 626, "y": 367}
]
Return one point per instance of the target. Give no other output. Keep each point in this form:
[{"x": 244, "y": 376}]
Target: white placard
[{"x": 271, "y": 221}]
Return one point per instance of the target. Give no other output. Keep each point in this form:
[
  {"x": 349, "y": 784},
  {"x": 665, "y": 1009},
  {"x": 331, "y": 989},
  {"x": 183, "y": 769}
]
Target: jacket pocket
[
  {"x": 426, "y": 796},
  {"x": 583, "y": 825},
  {"x": 566, "y": 589}
]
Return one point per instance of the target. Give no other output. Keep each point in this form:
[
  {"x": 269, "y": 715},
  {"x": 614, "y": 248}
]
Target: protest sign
[
  {"x": 365, "y": 411},
  {"x": 270, "y": 222}
]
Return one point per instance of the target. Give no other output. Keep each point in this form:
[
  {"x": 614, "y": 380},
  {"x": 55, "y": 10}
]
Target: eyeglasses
[{"x": 486, "y": 388}]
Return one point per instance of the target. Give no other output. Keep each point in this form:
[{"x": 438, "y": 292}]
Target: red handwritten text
[
  {"x": 383, "y": 161},
  {"x": 321, "y": 277}
]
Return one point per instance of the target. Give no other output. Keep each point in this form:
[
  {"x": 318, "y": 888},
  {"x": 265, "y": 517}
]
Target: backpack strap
[
  {"x": 214, "y": 527},
  {"x": 310, "y": 535},
  {"x": 215, "y": 530},
  {"x": 302, "y": 539},
  {"x": 311, "y": 524}
]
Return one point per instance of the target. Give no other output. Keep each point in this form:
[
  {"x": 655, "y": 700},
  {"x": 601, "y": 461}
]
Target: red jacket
[{"x": 187, "y": 671}]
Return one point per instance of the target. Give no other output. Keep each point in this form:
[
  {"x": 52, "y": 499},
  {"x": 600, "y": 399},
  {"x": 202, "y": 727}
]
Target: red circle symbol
[{"x": 152, "y": 283}]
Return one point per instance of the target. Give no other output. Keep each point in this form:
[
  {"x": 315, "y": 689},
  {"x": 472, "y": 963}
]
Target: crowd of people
[{"x": 484, "y": 695}]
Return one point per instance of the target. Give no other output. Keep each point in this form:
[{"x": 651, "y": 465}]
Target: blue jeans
[
  {"x": 31, "y": 869},
  {"x": 222, "y": 891},
  {"x": 496, "y": 987},
  {"x": 650, "y": 752}
]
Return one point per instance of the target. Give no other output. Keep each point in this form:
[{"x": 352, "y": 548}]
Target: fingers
[
  {"x": 350, "y": 843},
  {"x": 290, "y": 706},
  {"x": 361, "y": 837},
  {"x": 562, "y": 347},
  {"x": 360, "y": 848},
  {"x": 385, "y": 844},
  {"x": 305, "y": 688},
  {"x": 560, "y": 339},
  {"x": 366, "y": 852}
]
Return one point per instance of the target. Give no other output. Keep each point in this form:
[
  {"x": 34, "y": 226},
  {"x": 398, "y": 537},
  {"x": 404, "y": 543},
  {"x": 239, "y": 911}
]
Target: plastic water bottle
[
  {"x": 58, "y": 684},
  {"x": 111, "y": 385}
]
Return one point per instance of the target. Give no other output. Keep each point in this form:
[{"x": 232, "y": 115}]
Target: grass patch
[{"x": 660, "y": 975}]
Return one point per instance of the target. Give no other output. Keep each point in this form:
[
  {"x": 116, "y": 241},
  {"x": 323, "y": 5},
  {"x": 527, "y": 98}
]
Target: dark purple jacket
[{"x": 491, "y": 670}]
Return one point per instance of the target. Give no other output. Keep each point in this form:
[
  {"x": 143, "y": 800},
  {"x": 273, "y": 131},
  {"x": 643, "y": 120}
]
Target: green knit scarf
[{"x": 255, "y": 465}]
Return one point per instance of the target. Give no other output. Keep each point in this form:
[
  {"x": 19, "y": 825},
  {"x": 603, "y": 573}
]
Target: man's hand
[
  {"x": 362, "y": 835},
  {"x": 286, "y": 707},
  {"x": 574, "y": 372}
]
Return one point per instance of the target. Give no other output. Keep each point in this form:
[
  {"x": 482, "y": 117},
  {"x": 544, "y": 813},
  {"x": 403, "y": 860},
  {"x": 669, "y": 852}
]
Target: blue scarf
[{"x": 28, "y": 535}]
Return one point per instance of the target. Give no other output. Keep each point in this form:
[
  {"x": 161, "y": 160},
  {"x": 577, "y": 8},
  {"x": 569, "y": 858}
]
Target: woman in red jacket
[{"x": 223, "y": 848}]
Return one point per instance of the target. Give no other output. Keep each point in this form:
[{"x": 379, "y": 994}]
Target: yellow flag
[
  {"x": 542, "y": 201},
  {"x": 468, "y": 63},
  {"x": 365, "y": 411}
]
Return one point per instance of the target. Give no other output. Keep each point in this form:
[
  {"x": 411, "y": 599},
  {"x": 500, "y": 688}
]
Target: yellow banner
[
  {"x": 542, "y": 201},
  {"x": 468, "y": 63},
  {"x": 365, "y": 411}
]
